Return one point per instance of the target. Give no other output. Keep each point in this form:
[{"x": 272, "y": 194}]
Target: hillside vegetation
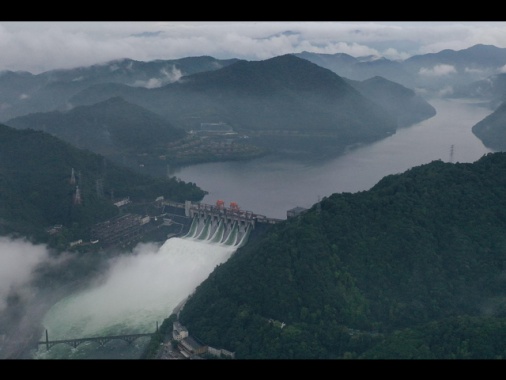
[
  {"x": 284, "y": 104},
  {"x": 393, "y": 272},
  {"x": 492, "y": 129},
  {"x": 111, "y": 127},
  {"x": 36, "y": 190}
]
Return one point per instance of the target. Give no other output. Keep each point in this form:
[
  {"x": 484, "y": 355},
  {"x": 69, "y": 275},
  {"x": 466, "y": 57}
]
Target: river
[
  {"x": 138, "y": 291},
  {"x": 271, "y": 187},
  {"x": 143, "y": 289}
]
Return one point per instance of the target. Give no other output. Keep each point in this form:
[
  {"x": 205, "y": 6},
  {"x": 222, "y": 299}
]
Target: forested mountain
[
  {"x": 403, "y": 270},
  {"x": 431, "y": 74},
  {"x": 492, "y": 130},
  {"x": 491, "y": 89},
  {"x": 361, "y": 68},
  {"x": 259, "y": 95},
  {"x": 113, "y": 128},
  {"x": 24, "y": 93},
  {"x": 403, "y": 103},
  {"x": 477, "y": 57},
  {"x": 36, "y": 190},
  {"x": 434, "y": 74},
  {"x": 283, "y": 102}
]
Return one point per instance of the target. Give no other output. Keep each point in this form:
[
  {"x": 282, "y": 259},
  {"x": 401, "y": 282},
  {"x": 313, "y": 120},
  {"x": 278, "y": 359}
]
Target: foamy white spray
[
  {"x": 138, "y": 290},
  {"x": 18, "y": 259}
]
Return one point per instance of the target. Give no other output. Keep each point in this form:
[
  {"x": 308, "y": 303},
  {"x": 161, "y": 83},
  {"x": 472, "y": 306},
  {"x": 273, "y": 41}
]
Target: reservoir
[{"x": 271, "y": 187}]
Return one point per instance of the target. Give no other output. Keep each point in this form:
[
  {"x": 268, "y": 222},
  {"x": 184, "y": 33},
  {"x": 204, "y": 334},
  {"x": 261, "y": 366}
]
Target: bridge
[{"x": 101, "y": 340}]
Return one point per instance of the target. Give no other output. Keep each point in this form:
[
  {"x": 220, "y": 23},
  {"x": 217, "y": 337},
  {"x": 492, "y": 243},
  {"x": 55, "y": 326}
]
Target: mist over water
[
  {"x": 138, "y": 291},
  {"x": 18, "y": 259}
]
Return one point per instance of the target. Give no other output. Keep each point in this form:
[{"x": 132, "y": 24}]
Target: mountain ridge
[
  {"x": 284, "y": 93},
  {"x": 113, "y": 127}
]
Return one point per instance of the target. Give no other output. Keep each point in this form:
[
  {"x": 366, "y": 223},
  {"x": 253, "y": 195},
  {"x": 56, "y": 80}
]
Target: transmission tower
[
  {"x": 100, "y": 187},
  {"x": 73, "y": 177},
  {"x": 104, "y": 168},
  {"x": 77, "y": 196},
  {"x": 451, "y": 153}
]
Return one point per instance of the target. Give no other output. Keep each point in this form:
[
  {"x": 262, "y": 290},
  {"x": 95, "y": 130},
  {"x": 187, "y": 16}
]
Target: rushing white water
[
  {"x": 228, "y": 234},
  {"x": 138, "y": 291}
]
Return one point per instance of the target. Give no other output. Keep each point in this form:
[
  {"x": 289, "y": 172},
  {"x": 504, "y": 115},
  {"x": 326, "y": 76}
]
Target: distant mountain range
[
  {"x": 432, "y": 74},
  {"x": 491, "y": 89},
  {"x": 299, "y": 104},
  {"x": 428, "y": 74},
  {"x": 361, "y": 68},
  {"x": 477, "y": 72},
  {"x": 285, "y": 104},
  {"x": 23, "y": 92}
]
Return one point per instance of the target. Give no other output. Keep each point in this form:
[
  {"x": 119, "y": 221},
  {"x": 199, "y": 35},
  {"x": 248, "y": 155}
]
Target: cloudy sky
[{"x": 40, "y": 46}]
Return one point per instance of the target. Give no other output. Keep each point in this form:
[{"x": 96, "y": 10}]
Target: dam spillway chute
[
  {"x": 230, "y": 239},
  {"x": 244, "y": 238},
  {"x": 217, "y": 237},
  {"x": 193, "y": 229},
  {"x": 218, "y": 224},
  {"x": 206, "y": 229}
]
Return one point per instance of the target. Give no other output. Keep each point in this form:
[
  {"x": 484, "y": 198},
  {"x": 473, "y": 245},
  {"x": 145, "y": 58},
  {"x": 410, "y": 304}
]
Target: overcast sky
[{"x": 41, "y": 46}]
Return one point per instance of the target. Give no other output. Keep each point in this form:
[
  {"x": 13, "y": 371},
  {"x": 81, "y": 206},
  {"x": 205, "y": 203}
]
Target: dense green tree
[
  {"x": 425, "y": 246},
  {"x": 36, "y": 190}
]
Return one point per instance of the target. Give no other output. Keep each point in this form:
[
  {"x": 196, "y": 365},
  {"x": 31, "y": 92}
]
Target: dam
[{"x": 216, "y": 223}]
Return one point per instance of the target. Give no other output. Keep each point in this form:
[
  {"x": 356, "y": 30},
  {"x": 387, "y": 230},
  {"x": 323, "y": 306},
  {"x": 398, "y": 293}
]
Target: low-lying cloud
[
  {"x": 471, "y": 70},
  {"x": 166, "y": 76},
  {"x": 18, "y": 260},
  {"x": 438, "y": 70},
  {"x": 56, "y": 45}
]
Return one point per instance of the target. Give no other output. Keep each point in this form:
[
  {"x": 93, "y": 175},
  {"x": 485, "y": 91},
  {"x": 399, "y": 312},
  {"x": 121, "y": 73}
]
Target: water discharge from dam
[
  {"x": 219, "y": 231},
  {"x": 138, "y": 291}
]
